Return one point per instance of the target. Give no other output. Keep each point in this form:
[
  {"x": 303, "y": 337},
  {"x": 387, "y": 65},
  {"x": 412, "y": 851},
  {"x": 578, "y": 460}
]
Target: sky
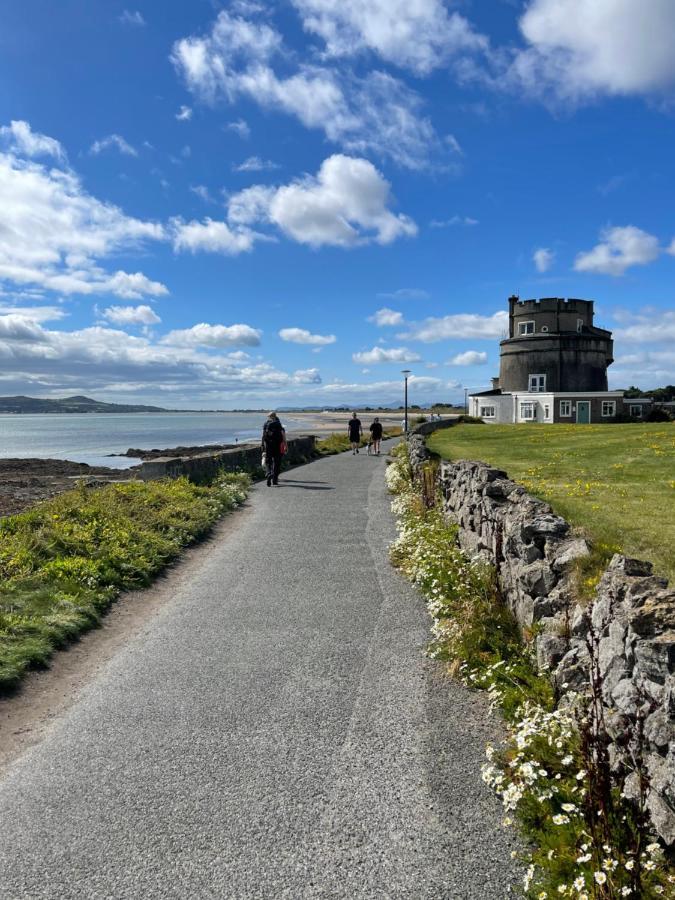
[{"x": 244, "y": 204}]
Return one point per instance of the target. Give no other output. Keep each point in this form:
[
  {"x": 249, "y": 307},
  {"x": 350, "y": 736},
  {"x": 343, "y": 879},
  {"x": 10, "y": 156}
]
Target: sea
[{"x": 93, "y": 437}]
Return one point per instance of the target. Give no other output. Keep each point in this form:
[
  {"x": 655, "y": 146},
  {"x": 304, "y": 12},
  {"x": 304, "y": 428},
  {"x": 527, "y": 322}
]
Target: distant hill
[{"x": 69, "y": 405}]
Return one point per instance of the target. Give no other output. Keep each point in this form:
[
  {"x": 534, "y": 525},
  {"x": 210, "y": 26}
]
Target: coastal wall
[
  {"x": 205, "y": 465},
  {"x": 632, "y": 616}
]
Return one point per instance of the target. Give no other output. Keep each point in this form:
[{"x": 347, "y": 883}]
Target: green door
[{"x": 583, "y": 412}]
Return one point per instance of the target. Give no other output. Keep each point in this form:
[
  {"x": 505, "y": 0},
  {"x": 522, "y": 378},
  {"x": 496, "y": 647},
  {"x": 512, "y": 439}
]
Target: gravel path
[{"x": 276, "y": 732}]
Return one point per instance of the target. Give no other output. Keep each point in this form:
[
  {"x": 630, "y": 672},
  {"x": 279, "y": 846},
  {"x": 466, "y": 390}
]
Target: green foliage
[
  {"x": 614, "y": 482},
  {"x": 63, "y": 562}
]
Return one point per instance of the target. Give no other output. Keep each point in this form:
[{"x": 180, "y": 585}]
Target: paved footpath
[{"x": 276, "y": 732}]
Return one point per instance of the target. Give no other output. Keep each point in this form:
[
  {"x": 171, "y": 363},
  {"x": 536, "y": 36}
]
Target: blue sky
[{"x": 243, "y": 204}]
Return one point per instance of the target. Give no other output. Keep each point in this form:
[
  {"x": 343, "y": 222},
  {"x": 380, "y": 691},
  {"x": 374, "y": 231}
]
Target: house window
[
  {"x": 609, "y": 407},
  {"x": 487, "y": 412},
  {"x": 537, "y": 383},
  {"x": 527, "y": 410},
  {"x": 636, "y": 411},
  {"x": 580, "y": 324},
  {"x": 547, "y": 411},
  {"x": 525, "y": 327},
  {"x": 565, "y": 408}
]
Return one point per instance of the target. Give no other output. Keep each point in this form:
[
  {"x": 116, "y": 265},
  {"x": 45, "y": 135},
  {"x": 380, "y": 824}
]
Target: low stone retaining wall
[
  {"x": 632, "y": 614},
  {"x": 206, "y": 465}
]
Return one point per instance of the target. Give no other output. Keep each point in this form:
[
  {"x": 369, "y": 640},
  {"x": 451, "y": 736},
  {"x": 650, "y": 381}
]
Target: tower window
[
  {"x": 536, "y": 383},
  {"x": 525, "y": 328},
  {"x": 580, "y": 324}
]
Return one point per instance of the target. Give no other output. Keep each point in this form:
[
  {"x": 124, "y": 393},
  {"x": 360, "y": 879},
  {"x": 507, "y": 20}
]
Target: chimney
[{"x": 495, "y": 383}]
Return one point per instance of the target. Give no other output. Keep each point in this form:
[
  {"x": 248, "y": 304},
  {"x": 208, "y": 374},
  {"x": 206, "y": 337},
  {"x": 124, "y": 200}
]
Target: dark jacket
[{"x": 273, "y": 435}]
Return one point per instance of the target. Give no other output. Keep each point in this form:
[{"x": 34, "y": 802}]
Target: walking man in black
[
  {"x": 273, "y": 437},
  {"x": 355, "y": 432},
  {"x": 376, "y": 435}
]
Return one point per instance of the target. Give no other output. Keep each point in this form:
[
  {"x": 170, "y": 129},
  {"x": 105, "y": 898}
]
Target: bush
[{"x": 658, "y": 414}]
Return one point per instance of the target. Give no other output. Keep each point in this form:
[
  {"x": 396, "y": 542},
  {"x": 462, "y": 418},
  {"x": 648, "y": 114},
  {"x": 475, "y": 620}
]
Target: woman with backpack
[{"x": 273, "y": 447}]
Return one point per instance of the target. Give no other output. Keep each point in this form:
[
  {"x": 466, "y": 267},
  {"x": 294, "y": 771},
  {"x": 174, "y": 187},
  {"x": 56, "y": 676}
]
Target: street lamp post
[{"x": 405, "y": 373}]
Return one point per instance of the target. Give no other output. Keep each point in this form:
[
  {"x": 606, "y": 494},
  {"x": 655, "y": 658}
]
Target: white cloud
[
  {"x": 405, "y": 294},
  {"x": 584, "y": 48},
  {"x": 131, "y": 315},
  {"x": 415, "y": 34},
  {"x": 132, "y": 18},
  {"x": 375, "y": 113},
  {"x": 460, "y": 325},
  {"x": 20, "y": 328},
  {"x": 469, "y": 358},
  {"x": 380, "y": 355},
  {"x": 671, "y": 249},
  {"x": 240, "y": 127},
  {"x": 656, "y": 325},
  {"x": 37, "y": 314},
  {"x": 53, "y": 234},
  {"x": 19, "y": 138},
  {"x": 307, "y": 376},
  {"x": 213, "y": 336},
  {"x": 212, "y": 237},
  {"x": 113, "y": 140},
  {"x": 202, "y": 192},
  {"x": 543, "y": 259},
  {"x": 620, "y": 248},
  {"x": 385, "y": 317},
  {"x": 344, "y": 205},
  {"x": 184, "y": 114},
  {"x": 302, "y": 336},
  {"x": 255, "y": 164},
  {"x": 451, "y": 222}
]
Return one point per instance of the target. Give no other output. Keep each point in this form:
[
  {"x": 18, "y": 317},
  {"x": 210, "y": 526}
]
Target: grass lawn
[{"x": 615, "y": 482}]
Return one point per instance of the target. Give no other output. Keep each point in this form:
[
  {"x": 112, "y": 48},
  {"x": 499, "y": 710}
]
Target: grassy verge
[
  {"x": 63, "y": 562},
  {"x": 584, "y": 839},
  {"x": 615, "y": 482},
  {"x": 339, "y": 442}
]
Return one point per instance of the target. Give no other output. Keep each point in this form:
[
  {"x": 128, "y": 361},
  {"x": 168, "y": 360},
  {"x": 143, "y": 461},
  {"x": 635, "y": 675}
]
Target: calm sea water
[{"x": 90, "y": 438}]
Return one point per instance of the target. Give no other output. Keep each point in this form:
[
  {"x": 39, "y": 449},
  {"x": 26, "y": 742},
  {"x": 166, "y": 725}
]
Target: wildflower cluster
[{"x": 546, "y": 772}]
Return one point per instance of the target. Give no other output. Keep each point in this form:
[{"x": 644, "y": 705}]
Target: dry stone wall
[{"x": 632, "y": 614}]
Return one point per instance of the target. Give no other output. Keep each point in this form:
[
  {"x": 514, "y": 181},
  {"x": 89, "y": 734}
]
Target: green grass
[
  {"x": 616, "y": 483},
  {"x": 63, "y": 562}
]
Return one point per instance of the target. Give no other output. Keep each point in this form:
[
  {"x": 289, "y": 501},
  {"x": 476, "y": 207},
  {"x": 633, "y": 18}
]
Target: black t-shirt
[
  {"x": 354, "y": 429},
  {"x": 376, "y": 430}
]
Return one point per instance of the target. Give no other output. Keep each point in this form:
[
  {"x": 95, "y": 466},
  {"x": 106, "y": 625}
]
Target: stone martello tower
[{"x": 554, "y": 346}]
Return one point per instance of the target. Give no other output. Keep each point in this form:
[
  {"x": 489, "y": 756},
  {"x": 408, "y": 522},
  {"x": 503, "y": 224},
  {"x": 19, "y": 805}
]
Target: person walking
[
  {"x": 376, "y": 435},
  {"x": 355, "y": 432},
  {"x": 273, "y": 437}
]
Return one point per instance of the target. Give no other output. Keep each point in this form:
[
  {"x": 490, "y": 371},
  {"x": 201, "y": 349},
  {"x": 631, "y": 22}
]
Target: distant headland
[{"x": 70, "y": 405}]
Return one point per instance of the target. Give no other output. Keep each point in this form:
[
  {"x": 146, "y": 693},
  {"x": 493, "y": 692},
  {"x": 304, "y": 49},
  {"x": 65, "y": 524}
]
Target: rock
[
  {"x": 656, "y": 658},
  {"x": 581, "y": 622},
  {"x": 612, "y": 646},
  {"x": 656, "y": 614},
  {"x": 628, "y": 566},
  {"x": 550, "y": 650},
  {"x": 663, "y": 817},
  {"x": 569, "y": 551},
  {"x": 530, "y": 553},
  {"x": 572, "y": 671},
  {"x": 660, "y": 730},
  {"x": 626, "y": 697},
  {"x": 546, "y": 524},
  {"x": 537, "y": 579}
]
